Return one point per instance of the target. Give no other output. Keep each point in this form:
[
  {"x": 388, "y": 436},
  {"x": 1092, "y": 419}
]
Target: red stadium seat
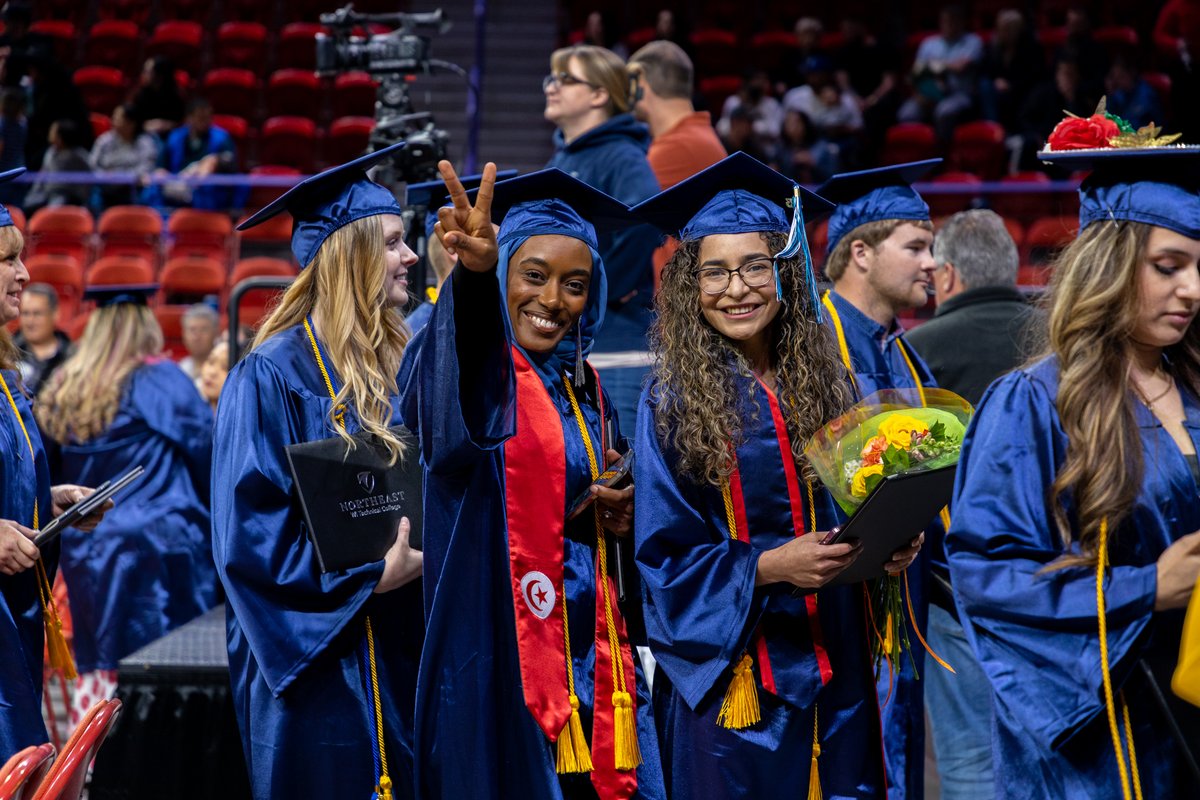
[
  {"x": 1024, "y": 205},
  {"x": 65, "y": 230},
  {"x": 1051, "y": 39},
  {"x": 242, "y": 45},
  {"x": 640, "y": 38},
  {"x": 909, "y": 141},
  {"x": 189, "y": 279},
  {"x": 348, "y": 138},
  {"x": 77, "y": 325},
  {"x": 294, "y": 93},
  {"x": 137, "y": 11},
  {"x": 62, "y": 33},
  {"x": 818, "y": 241},
  {"x": 1045, "y": 237},
  {"x": 289, "y": 141},
  {"x": 979, "y": 147},
  {"x": 18, "y": 217},
  {"x": 21, "y": 774},
  {"x": 181, "y": 41},
  {"x": 717, "y": 90},
  {"x": 66, "y": 778},
  {"x": 257, "y": 302},
  {"x": 114, "y": 43},
  {"x": 232, "y": 91},
  {"x": 170, "y": 320},
  {"x": 1033, "y": 275},
  {"x": 238, "y": 130},
  {"x": 717, "y": 51},
  {"x": 248, "y": 9},
  {"x": 941, "y": 205},
  {"x": 64, "y": 274},
  {"x": 131, "y": 231},
  {"x": 101, "y": 123},
  {"x": 354, "y": 95},
  {"x": 1116, "y": 39},
  {"x": 263, "y": 195},
  {"x": 193, "y": 10},
  {"x": 119, "y": 271},
  {"x": 272, "y": 238},
  {"x": 297, "y": 48},
  {"x": 102, "y": 88},
  {"x": 200, "y": 233},
  {"x": 771, "y": 50}
]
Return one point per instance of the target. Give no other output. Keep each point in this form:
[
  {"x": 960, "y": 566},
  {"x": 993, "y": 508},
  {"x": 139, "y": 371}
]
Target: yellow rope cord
[
  {"x": 621, "y": 700},
  {"x": 1106, "y": 678},
  {"x": 841, "y": 339},
  {"x": 385, "y": 782},
  {"x": 916, "y": 377}
]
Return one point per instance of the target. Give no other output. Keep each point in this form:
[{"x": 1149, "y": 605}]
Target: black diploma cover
[
  {"x": 353, "y": 500},
  {"x": 895, "y": 513}
]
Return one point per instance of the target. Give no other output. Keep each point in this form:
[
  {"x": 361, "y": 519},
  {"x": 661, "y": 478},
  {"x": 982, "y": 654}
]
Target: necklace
[{"x": 1150, "y": 401}]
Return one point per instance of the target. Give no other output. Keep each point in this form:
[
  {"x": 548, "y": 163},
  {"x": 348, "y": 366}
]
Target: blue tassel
[{"x": 797, "y": 243}]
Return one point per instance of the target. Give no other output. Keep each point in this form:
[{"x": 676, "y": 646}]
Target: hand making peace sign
[{"x": 466, "y": 230}]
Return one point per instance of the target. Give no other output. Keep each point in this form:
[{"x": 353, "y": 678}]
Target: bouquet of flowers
[{"x": 894, "y": 431}]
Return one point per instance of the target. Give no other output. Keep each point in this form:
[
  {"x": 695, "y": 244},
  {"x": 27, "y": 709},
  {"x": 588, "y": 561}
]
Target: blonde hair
[
  {"x": 872, "y": 234},
  {"x": 11, "y": 244},
  {"x": 695, "y": 366},
  {"x": 362, "y": 336},
  {"x": 602, "y": 68},
  {"x": 83, "y": 395},
  {"x": 1093, "y": 304}
]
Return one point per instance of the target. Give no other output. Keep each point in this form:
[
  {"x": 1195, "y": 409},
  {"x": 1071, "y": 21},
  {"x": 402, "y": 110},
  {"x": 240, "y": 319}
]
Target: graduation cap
[
  {"x": 136, "y": 293},
  {"x": 1153, "y": 185},
  {"x": 552, "y": 202},
  {"x": 434, "y": 194},
  {"x": 740, "y": 194},
  {"x": 330, "y": 200},
  {"x": 871, "y": 195},
  {"x": 5, "y": 217}
]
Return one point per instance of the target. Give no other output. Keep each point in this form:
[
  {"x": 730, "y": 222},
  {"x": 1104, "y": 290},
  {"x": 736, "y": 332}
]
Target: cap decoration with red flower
[{"x": 1102, "y": 130}]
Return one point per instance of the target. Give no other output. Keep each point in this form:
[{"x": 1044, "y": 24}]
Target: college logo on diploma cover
[
  {"x": 367, "y": 481},
  {"x": 539, "y": 593}
]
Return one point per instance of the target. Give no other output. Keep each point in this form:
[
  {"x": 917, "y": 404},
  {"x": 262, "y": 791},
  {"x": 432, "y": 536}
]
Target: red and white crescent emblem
[{"x": 539, "y": 593}]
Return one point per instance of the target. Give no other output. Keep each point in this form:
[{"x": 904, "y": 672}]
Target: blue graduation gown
[
  {"x": 419, "y": 317},
  {"x": 879, "y": 364},
  {"x": 22, "y": 481},
  {"x": 147, "y": 568},
  {"x": 474, "y": 735},
  {"x": 703, "y": 611},
  {"x": 295, "y": 634},
  {"x": 1037, "y": 635}
]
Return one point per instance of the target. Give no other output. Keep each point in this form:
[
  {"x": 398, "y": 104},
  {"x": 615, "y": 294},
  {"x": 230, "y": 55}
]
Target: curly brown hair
[{"x": 694, "y": 367}]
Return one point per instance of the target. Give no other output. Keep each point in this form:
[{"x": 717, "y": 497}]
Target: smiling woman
[{"x": 548, "y": 282}]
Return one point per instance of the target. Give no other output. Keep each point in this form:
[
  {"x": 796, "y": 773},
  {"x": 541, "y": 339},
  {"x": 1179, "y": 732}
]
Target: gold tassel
[
  {"x": 629, "y": 754},
  {"x": 385, "y": 788},
  {"x": 573, "y": 754},
  {"x": 740, "y": 709},
  {"x": 814, "y": 776},
  {"x": 56, "y": 644}
]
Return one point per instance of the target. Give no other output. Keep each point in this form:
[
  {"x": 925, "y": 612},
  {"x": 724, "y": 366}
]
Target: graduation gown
[
  {"x": 23, "y": 480},
  {"x": 1036, "y": 635},
  {"x": 879, "y": 363},
  {"x": 475, "y": 737},
  {"x": 294, "y": 634},
  {"x": 147, "y": 567},
  {"x": 703, "y": 611}
]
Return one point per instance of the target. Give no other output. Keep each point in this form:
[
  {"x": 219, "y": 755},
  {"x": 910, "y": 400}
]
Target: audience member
[
  {"x": 20, "y": 43},
  {"x": 800, "y": 155},
  {"x": 668, "y": 29},
  {"x": 870, "y": 70},
  {"x": 197, "y": 149},
  {"x": 808, "y": 32},
  {"x": 52, "y": 97},
  {"x": 1014, "y": 64},
  {"x": 66, "y": 154},
  {"x": 1177, "y": 30},
  {"x": 945, "y": 75},
  {"x": 13, "y": 132},
  {"x": 43, "y": 346},
  {"x": 1082, "y": 48},
  {"x": 683, "y": 141},
  {"x": 755, "y": 99},
  {"x": 832, "y": 114},
  {"x": 1045, "y": 106},
  {"x": 201, "y": 325},
  {"x": 739, "y": 135},
  {"x": 1130, "y": 97},
  {"x": 599, "y": 32},
  {"x": 158, "y": 101},
  {"x": 213, "y": 374},
  {"x": 126, "y": 147}
]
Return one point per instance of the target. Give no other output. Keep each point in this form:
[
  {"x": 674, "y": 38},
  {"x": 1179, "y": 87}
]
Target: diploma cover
[{"x": 353, "y": 500}]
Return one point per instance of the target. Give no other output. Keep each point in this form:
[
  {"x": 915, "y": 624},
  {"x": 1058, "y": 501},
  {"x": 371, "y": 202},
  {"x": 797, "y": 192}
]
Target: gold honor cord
[
  {"x": 56, "y": 642},
  {"x": 1106, "y": 678},
  {"x": 628, "y": 753},
  {"x": 384, "y": 788}
]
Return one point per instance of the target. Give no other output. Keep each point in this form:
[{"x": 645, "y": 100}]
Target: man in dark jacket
[
  {"x": 981, "y": 328},
  {"x": 43, "y": 347}
]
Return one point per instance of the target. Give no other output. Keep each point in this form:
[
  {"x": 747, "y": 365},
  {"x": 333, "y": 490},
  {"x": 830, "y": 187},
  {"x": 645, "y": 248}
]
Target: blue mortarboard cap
[
  {"x": 136, "y": 293},
  {"x": 871, "y": 195},
  {"x": 330, "y": 200},
  {"x": 5, "y": 217},
  {"x": 434, "y": 194},
  {"x": 1154, "y": 185},
  {"x": 552, "y": 202},
  {"x": 738, "y": 194}
]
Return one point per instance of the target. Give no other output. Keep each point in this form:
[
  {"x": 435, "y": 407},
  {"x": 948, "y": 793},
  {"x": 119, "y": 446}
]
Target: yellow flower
[
  {"x": 858, "y": 484},
  {"x": 899, "y": 429}
]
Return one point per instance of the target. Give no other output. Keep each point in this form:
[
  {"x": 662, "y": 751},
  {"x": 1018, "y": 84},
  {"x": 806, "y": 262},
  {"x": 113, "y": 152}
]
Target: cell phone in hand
[{"x": 610, "y": 478}]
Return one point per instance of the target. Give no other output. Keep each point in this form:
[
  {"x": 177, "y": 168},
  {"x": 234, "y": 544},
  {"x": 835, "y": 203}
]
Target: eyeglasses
[
  {"x": 564, "y": 79},
  {"x": 715, "y": 280}
]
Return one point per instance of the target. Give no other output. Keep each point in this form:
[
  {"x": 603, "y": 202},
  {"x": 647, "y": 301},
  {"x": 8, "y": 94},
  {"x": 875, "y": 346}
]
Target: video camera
[{"x": 400, "y": 51}]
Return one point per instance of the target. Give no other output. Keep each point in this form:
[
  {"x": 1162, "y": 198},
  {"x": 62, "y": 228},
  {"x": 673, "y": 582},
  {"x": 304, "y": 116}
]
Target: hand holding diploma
[
  {"x": 902, "y": 558},
  {"x": 401, "y": 564},
  {"x": 17, "y": 550},
  {"x": 66, "y": 495},
  {"x": 805, "y": 562},
  {"x": 615, "y": 506},
  {"x": 1178, "y": 568}
]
